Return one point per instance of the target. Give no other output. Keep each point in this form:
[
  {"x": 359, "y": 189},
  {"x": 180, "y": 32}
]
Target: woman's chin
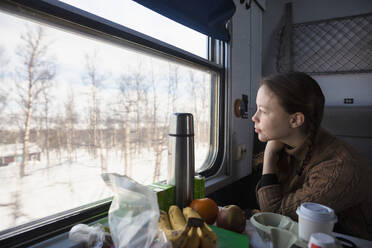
[{"x": 263, "y": 138}]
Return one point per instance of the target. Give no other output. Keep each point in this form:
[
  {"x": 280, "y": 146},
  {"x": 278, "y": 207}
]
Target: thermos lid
[{"x": 181, "y": 125}]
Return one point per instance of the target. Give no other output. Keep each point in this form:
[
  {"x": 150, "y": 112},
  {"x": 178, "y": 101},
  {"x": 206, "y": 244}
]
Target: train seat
[{"x": 351, "y": 124}]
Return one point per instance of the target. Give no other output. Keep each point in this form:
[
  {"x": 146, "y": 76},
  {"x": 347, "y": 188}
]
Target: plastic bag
[
  {"x": 92, "y": 236},
  {"x": 161, "y": 241},
  {"x": 134, "y": 213}
]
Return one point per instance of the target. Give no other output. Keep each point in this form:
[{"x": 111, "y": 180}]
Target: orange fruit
[{"x": 206, "y": 208}]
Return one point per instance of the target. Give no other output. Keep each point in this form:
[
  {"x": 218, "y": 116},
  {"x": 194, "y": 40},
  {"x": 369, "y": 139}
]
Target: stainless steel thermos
[{"x": 181, "y": 157}]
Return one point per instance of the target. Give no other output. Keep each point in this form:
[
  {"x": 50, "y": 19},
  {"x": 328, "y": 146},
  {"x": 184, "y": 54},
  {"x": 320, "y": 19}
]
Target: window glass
[
  {"x": 72, "y": 108},
  {"x": 137, "y": 17}
]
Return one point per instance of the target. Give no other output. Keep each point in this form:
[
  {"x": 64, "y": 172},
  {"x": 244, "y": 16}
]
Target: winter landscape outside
[{"x": 72, "y": 108}]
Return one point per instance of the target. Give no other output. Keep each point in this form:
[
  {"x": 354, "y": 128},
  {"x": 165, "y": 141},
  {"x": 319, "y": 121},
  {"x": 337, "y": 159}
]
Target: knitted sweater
[{"x": 336, "y": 176}]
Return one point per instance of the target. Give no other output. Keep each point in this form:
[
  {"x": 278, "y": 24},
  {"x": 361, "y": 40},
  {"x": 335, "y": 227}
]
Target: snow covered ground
[{"x": 65, "y": 184}]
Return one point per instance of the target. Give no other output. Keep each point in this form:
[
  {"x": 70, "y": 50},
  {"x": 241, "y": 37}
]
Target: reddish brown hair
[{"x": 298, "y": 92}]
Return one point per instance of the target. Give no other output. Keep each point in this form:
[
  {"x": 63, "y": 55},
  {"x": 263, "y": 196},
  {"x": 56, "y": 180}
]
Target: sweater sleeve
[
  {"x": 332, "y": 183},
  {"x": 268, "y": 179}
]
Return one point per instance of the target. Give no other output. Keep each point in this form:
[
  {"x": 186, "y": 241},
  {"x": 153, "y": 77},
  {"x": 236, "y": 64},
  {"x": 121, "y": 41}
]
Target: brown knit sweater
[{"x": 336, "y": 176}]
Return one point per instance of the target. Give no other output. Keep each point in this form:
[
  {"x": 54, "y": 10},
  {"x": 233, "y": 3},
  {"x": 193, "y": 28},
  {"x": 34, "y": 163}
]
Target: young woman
[{"x": 303, "y": 162}]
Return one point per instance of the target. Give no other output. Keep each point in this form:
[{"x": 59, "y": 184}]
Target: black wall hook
[{"x": 248, "y": 5}]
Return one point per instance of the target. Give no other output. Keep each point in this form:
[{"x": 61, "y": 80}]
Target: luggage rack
[{"x": 339, "y": 45}]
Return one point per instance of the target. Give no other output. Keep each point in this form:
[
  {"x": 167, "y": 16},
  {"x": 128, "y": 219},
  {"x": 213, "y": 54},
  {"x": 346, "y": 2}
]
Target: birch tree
[
  {"x": 160, "y": 130},
  {"x": 137, "y": 81},
  {"x": 204, "y": 109},
  {"x": 158, "y": 136},
  {"x": 46, "y": 99},
  {"x": 95, "y": 79},
  {"x": 173, "y": 86},
  {"x": 35, "y": 71},
  {"x": 194, "y": 88},
  {"x": 123, "y": 112},
  {"x": 71, "y": 119}
]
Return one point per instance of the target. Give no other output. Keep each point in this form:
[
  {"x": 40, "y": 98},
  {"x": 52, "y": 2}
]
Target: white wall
[
  {"x": 340, "y": 86},
  {"x": 336, "y": 87},
  {"x": 245, "y": 72}
]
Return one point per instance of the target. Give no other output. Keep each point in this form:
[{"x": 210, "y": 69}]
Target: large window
[{"x": 72, "y": 107}]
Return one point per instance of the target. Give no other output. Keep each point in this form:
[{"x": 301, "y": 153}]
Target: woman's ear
[{"x": 296, "y": 120}]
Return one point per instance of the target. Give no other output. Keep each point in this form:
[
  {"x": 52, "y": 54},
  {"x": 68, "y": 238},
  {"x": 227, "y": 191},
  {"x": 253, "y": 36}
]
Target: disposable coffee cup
[
  {"x": 321, "y": 240},
  {"x": 314, "y": 218}
]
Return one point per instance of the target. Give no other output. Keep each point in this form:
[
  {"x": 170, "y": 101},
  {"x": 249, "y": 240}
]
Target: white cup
[
  {"x": 314, "y": 218},
  {"x": 321, "y": 240}
]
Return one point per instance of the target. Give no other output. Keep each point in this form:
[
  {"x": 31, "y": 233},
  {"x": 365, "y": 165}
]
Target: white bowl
[{"x": 265, "y": 221}]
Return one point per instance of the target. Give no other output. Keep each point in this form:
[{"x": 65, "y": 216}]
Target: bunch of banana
[{"x": 187, "y": 229}]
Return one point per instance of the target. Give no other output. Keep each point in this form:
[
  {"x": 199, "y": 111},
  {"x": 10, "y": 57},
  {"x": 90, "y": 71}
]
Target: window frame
[
  {"x": 66, "y": 17},
  {"x": 217, "y": 51}
]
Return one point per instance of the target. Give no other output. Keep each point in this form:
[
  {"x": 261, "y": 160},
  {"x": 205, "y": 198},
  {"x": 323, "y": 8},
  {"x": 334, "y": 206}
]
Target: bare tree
[
  {"x": 124, "y": 111},
  {"x": 4, "y": 87},
  {"x": 204, "y": 113},
  {"x": 157, "y": 135},
  {"x": 111, "y": 125},
  {"x": 101, "y": 147},
  {"x": 194, "y": 88},
  {"x": 137, "y": 81},
  {"x": 160, "y": 129},
  {"x": 173, "y": 86},
  {"x": 35, "y": 71},
  {"x": 59, "y": 139},
  {"x": 71, "y": 119},
  {"x": 95, "y": 79},
  {"x": 3, "y": 93},
  {"x": 46, "y": 101},
  {"x": 132, "y": 102}
]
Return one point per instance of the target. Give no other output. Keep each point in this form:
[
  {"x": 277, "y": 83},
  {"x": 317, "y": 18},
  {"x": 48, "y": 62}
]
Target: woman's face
[{"x": 271, "y": 121}]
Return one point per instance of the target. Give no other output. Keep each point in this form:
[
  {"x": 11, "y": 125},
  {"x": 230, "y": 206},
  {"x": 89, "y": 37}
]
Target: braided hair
[
  {"x": 312, "y": 133},
  {"x": 298, "y": 92}
]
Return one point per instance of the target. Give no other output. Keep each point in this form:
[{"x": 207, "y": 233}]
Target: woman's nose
[{"x": 254, "y": 117}]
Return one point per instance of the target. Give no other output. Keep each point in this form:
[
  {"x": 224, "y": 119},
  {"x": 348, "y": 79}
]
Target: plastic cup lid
[
  {"x": 322, "y": 238},
  {"x": 316, "y": 212}
]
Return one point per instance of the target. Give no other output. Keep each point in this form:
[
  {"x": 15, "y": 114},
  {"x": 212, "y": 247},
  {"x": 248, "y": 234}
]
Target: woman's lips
[{"x": 257, "y": 130}]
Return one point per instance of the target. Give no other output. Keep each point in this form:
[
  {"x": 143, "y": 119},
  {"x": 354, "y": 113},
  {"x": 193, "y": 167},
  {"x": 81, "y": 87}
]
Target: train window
[
  {"x": 141, "y": 19},
  {"x": 73, "y": 106}
]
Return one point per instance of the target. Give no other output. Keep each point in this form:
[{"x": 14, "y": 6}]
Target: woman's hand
[
  {"x": 271, "y": 156},
  {"x": 274, "y": 147}
]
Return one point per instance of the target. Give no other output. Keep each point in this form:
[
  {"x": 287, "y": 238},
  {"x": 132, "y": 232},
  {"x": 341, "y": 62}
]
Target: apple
[{"x": 231, "y": 217}]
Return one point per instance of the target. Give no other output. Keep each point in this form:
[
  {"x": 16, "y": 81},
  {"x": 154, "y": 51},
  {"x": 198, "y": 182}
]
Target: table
[{"x": 256, "y": 241}]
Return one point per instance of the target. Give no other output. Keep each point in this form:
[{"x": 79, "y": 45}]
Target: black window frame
[{"x": 73, "y": 19}]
